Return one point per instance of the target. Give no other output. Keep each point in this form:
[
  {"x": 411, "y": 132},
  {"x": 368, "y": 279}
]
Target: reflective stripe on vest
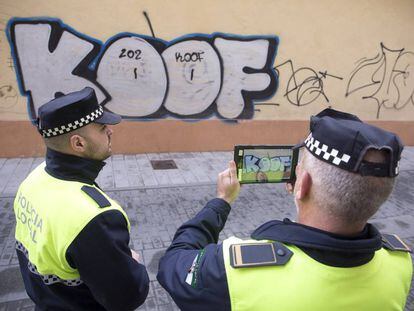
[
  {"x": 50, "y": 213},
  {"x": 305, "y": 284}
]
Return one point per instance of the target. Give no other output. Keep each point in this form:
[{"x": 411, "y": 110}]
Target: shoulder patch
[
  {"x": 394, "y": 243},
  {"x": 98, "y": 197},
  {"x": 192, "y": 275},
  {"x": 247, "y": 255}
]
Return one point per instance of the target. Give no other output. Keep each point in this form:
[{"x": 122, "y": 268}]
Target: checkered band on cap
[
  {"x": 66, "y": 128},
  {"x": 324, "y": 151},
  {"x": 48, "y": 279}
]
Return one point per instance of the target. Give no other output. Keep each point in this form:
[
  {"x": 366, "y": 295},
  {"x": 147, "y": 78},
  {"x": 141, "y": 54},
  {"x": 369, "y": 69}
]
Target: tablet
[{"x": 265, "y": 163}]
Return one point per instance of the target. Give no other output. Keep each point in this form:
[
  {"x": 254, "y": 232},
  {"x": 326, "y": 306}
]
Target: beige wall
[
  {"x": 356, "y": 56},
  {"x": 170, "y": 135}
]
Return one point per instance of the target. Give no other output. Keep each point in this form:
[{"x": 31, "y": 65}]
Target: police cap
[
  {"x": 72, "y": 111},
  {"x": 342, "y": 139}
]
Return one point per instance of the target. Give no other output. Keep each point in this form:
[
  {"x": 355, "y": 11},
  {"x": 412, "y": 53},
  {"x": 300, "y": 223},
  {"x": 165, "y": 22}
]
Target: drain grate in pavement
[{"x": 163, "y": 164}]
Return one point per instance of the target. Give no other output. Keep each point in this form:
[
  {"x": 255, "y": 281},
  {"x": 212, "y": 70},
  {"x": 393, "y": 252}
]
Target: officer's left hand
[{"x": 228, "y": 186}]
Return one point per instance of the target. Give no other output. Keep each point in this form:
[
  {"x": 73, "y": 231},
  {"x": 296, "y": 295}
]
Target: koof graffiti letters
[
  {"x": 265, "y": 164},
  {"x": 136, "y": 76}
]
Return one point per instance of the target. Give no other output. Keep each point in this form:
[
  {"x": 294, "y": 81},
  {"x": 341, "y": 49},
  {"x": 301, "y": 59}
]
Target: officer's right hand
[
  {"x": 135, "y": 255},
  {"x": 228, "y": 186},
  {"x": 290, "y": 187}
]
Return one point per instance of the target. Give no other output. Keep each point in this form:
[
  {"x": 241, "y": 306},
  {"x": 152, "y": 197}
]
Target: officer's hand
[
  {"x": 135, "y": 255},
  {"x": 290, "y": 187},
  {"x": 228, "y": 186}
]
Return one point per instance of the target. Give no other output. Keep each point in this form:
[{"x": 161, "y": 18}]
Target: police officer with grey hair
[
  {"x": 72, "y": 238},
  {"x": 331, "y": 258}
]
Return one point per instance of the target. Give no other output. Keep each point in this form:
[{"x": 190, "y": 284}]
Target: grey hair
[{"x": 347, "y": 196}]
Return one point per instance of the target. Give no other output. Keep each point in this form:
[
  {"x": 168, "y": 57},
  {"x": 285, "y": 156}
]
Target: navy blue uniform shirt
[
  {"x": 194, "y": 250},
  {"x": 112, "y": 279}
]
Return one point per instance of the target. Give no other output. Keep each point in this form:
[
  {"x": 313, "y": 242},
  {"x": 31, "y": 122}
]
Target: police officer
[
  {"x": 71, "y": 238},
  {"x": 330, "y": 259}
]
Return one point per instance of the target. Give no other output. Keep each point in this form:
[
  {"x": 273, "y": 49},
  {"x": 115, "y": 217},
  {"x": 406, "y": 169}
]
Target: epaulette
[
  {"x": 246, "y": 255},
  {"x": 98, "y": 197},
  {"x": 394, "y": 243}
]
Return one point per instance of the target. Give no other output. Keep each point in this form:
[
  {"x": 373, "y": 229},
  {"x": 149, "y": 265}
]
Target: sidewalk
[{"x": 158, "y": 201}]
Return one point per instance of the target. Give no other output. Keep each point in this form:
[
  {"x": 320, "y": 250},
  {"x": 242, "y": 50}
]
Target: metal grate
[{"x": 163, "y": 164}]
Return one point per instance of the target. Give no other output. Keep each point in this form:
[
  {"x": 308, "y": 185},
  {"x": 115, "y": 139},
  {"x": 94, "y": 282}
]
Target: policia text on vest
[{"x": 26, "y": 214}]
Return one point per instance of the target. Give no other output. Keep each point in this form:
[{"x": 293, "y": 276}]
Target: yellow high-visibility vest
[
  {"x": 304, "y": 284},
  {"x": 50, "y": 213}
]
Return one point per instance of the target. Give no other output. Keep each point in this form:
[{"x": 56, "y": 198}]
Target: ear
[
  {"x": 304, "y": 184},
  {"x": 78, "y": 143}
]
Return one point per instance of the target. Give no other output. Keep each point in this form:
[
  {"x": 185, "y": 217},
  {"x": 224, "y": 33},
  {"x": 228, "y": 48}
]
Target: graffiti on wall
[
  {"x": 8, "y": 97},
  {"x": 387, "y": 79},
  {"x": 8, "y": 94},
  {"x": 136, "y": 76},
  {"x": 305, "y": 85}
]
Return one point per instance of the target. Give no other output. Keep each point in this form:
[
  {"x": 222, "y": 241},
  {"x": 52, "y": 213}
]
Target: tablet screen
[{"x": 265, "y": 164}]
